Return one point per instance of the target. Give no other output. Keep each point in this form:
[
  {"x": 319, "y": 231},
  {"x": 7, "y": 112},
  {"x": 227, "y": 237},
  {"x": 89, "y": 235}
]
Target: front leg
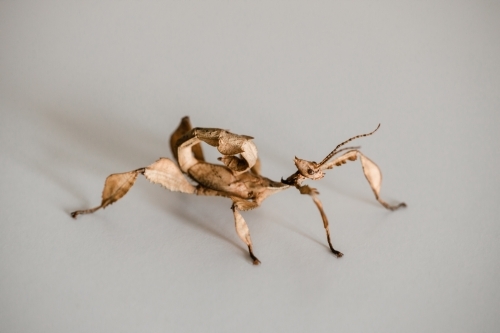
[
  {"x": 313, "y": 193},
  {"x": 370, "y": 169}
]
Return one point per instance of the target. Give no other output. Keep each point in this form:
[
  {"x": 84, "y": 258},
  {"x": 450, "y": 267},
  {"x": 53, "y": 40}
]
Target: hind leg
[{"x": 163, "y": 172}]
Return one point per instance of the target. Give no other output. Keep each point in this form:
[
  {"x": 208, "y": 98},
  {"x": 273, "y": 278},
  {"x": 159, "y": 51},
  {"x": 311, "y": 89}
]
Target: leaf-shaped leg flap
[
  {"x": 244, "y": 233},
  {"x": 115, "y": 187},
  {"x": 168, "y": 175},
  {"x": 374, "y": 176}
]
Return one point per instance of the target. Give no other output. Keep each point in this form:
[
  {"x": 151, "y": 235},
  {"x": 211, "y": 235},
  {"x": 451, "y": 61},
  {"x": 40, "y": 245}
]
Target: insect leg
[
  {"x": 374, "y": 178},
  {"x": 313, "y": 193},
  {"x": 115, "y": 187},
  {"x": 372, "y": 173},
  {"x": 163, "y": 172},
  {"x": 240, "y": 224},
  {"x": 244, "y": 233}
]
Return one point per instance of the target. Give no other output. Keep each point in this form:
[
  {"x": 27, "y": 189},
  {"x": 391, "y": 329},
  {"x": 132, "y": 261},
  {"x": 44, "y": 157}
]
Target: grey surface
[{"x": 93, "y": 88}]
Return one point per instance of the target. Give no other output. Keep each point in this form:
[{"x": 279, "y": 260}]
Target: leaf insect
[{"x": 239, "y": 178}]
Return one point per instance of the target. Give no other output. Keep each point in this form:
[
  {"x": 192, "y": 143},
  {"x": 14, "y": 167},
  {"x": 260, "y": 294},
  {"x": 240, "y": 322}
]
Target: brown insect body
[{"x": 238, "y": 179}]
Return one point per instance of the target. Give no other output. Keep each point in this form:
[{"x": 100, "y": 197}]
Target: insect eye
[{"x": 310, "y": 171}]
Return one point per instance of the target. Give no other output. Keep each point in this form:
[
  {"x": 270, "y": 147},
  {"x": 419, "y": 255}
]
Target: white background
[{"x": 96, "y": 87}]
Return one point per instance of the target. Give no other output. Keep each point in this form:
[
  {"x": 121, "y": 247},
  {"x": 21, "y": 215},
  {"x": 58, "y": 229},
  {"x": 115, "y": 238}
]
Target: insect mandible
[{"x": 239, "y": 177}]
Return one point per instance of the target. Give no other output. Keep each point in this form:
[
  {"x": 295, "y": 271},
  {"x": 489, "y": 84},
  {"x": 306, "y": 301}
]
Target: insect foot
[{"x": 338, "y": 254}]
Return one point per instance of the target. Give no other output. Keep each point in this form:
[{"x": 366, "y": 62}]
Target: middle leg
[
  {"x": 244, "y": 233},
  {"x": 239, "y": 223}
]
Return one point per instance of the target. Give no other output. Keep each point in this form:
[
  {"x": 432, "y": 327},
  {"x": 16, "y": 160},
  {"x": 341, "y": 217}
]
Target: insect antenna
[
  {"x": 346, "y": 148},
  {"x": 335, "y": 151}
]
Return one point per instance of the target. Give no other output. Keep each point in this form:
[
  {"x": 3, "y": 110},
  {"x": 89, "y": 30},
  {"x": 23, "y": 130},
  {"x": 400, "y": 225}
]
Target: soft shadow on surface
[
  {"x": 66, "y": 143},
  {"x": 369, "y": 198},
  {"x": 353, "y": 194},
  {"x": 105, "y": 137},
  {"x": 273, "y": 218},
  {"x": 179, "y": 205}
]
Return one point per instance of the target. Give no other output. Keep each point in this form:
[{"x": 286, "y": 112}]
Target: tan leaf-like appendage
[
  {"x": 374, "y": 177},
  {"x": 372, "y": 174},
  {"x": 234, "y": 163},
  {"x": 244, "y": 233},
  {"x": 168, "y": 175},
  {"x": 116, "y": 186},
  {"x": 183, "y": 128},
  {"x": 230, "y": 143},
  {"x": 242, "y": 228}
]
